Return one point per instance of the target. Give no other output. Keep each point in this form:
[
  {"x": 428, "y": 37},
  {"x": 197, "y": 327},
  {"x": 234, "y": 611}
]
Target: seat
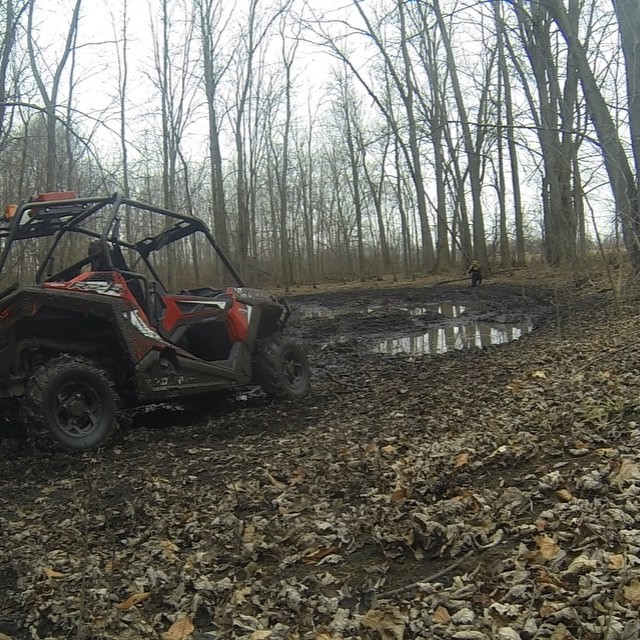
[{"x": 134, "y": 280}]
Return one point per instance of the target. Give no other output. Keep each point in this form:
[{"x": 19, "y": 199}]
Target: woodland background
[{"x": 338, "y": 139}]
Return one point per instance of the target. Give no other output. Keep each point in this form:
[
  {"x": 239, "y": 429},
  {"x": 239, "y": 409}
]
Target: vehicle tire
[
  {"x": 74, "y": 400},
  {"x": 282, "y": 368}
]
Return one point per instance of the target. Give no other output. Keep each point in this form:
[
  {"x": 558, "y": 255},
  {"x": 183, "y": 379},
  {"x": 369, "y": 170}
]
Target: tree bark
[{"x": 621, "y": 176}]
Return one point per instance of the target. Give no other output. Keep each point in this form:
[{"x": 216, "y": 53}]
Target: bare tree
[
  {"x": 10, "y": 14},
  {"x": 628, "y": 13},
  {"x": 505, "y": 77},
  {"x": 623, "y": 178},
  {"x": 502, "y": 96},
  {"x": 173, "y": 78},
  {"x": 403, "y": 83},
  {"x": 471, "y": 150},
  {"x": 252, "y": 39},
  {"x": 434, "y": 112},
  {"x": 288, "y": 57},
  {"x": 121, "y": 37},
  {"x": 213, "y": 22},
  {"x": 50, "y": 93}
]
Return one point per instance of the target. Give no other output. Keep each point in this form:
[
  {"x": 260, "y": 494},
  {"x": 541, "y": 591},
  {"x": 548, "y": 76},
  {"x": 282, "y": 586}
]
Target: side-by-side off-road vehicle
[{"x": 105, "y": 309}]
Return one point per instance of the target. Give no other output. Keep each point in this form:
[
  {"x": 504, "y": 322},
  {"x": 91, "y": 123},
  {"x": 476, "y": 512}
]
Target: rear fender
[{"x": 238, "y": 318}]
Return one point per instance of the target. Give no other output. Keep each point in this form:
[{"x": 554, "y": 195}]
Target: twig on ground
[
  {"x": 431, "y": 578},
  {"x": 337, "y": 381},
  {"x": 602, "y": 356}
]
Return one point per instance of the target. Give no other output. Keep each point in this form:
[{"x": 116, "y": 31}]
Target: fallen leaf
[
  {"x": 372, "y": 447},
  {"x": 616, "y": 561},
  {"x": 399, "y": 495},
  {"x": 515, "y": 384},
  {"x": 133, "y": 600},
  {"x": 312, "y": 556},
  {"x": 627, "y": 470},
  {"x": 561, "y": 633},
  {"x": 607, "y": 453},
  {"x": 274, "y": 481},
  {"x": 461, "y": 459},
  {"x": 631, "y": 592},
  {"x": 50, "y": 573},
  {"x": 179, "y": 630},
  {"x": 389, "y": 624},
  {"x": 440, "y": 616},
  {"x": 548, "y": 580},
  {"x": 580, "y": 565},
  {"x": 507, "y": 633},
  {"x": 388, "y": 448},
  {"x": 547, "y": 547},
  {"x": 239, "y": 595},
  {"x": 249, "y": 533},
  {"x": 168, "y": 549},
  {"x": 538, "y": 374},
  {"x": 298, "y": 476},
  {"x": 260, "y": 634},
  {"x": 564, "y": 495}
]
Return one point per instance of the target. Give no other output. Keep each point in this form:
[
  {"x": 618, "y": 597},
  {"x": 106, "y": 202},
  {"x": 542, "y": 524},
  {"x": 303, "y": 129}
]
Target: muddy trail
[{"x": 466, "y": 464}]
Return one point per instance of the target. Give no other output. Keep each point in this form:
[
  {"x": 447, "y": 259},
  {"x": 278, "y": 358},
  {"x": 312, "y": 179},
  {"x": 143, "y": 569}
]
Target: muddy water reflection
[
  {"x": 435, "y": 327},
  {"x": 445, "y": 309},
  {"x": 462, "y": 336}
]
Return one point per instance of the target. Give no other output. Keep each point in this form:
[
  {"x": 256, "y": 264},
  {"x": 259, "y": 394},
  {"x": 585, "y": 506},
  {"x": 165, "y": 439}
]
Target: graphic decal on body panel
[
  {"x": 138, "y": 322},
  {"x": 103, "y": 288},
  {"x": 221, "y": 304}
]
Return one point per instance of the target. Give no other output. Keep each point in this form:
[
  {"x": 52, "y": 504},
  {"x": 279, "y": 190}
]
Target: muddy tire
[
  {"x": 74, "y": 401},
  {"x": 282, "y": 368}
]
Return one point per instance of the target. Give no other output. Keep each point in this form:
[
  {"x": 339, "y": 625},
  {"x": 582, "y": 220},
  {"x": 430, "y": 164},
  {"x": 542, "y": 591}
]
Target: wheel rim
[
  {"x": 78, "y": 409},
  {"x": 293, "y": 370}
]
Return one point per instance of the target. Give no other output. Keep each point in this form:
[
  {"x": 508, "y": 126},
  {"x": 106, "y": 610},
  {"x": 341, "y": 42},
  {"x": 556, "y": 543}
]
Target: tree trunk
[
  {"x": 50, "y": 96},
  {"x": 621, "y": 176},
  {"x": 479, "y": 241},
  {"x": 209, "y": 13}
]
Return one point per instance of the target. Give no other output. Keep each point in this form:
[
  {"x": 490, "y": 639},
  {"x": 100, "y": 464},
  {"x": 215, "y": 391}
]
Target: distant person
[{"x": 475, "y": 271}]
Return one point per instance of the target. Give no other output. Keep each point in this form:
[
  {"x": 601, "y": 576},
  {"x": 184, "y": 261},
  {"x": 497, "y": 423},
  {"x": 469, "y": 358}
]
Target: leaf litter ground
[{"x": 484, "y": 493}]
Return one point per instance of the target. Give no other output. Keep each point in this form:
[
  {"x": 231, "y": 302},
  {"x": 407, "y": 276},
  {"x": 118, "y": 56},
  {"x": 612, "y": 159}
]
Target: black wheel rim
[
  {"x": 293, "y": 370},
  {"x": 78, "y": 409}
]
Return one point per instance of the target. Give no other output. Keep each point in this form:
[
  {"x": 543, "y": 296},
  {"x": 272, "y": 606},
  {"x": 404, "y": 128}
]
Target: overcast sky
[{"x": 96, "y": 64}]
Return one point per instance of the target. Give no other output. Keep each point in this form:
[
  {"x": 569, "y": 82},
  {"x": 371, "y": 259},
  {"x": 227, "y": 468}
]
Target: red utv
[{"x": 105, "y": 311}]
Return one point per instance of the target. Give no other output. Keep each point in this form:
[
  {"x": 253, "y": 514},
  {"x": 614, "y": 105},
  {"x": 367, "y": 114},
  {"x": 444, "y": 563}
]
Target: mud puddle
[
  {"x": 461, "y": 331},
  {"x": 444, "y": 339},
  {"x": 420, "y": 327}
]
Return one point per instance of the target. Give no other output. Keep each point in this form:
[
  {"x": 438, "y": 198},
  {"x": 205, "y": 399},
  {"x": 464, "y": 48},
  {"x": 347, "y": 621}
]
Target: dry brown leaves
[{"x": 292, "y": 523}]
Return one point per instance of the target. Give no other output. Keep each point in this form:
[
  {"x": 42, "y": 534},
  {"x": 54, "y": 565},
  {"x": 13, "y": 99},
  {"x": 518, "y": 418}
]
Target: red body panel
[
  {"x": 173, "y": 314},
  {"x": 89, "y": 283},
  {"x": 237, "y": 322},
  {"x": 52, "y": 196}
]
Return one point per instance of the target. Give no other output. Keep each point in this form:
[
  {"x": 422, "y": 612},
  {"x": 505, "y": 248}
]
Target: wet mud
[
  {"x": 235, "y": 457},
  {"x": 418, "y": 320}
]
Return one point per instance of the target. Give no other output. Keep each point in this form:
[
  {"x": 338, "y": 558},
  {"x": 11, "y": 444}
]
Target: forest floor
[{"x": 477, "y": 493}]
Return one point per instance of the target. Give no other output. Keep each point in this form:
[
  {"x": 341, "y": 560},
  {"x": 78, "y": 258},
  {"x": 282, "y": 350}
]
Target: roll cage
[{"x": 49, "y": 216}]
